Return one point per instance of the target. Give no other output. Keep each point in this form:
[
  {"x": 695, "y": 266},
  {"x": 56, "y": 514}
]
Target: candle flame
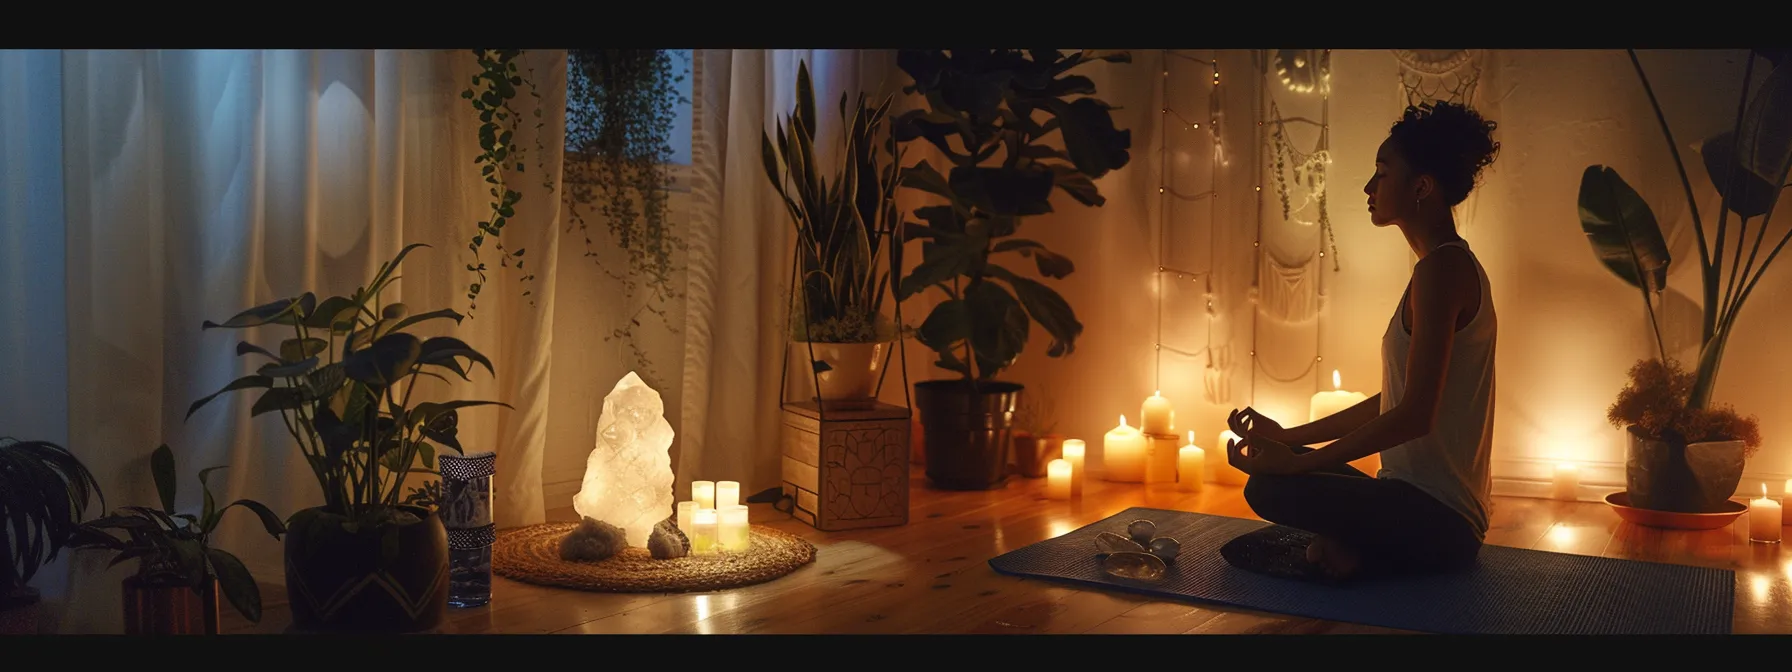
[
  {"x": 1122, "y": 421},
  {"x": 1337, "y": 381},
  {"x": 1191, "y": 437},
  {"x": 1763, "y": 490},
  {"x": 1157, "y": 393}
]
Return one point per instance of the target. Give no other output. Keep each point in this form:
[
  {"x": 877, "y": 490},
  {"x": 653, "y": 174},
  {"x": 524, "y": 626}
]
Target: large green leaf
[
  {"x": 1622, "y": 229},
  {"x": 243, "y": 383},
  {"x": 1094, "y": 144},
  {"x": 281, "y": 311},
  {"x": 1744, "y": 192},
  {"x": 384, "y": 362},
  {"x": 161, "y": 468},
  {"x": 269, "y": 519},
  {"x": 1046, "y": 307},
  {"x": 946, "y": 326},
  {"x": 445, "y": 348},
  {"x": 1051, "y": 264},
  {"x": 237, "y": 583},
  {"x": 336, "y": 313},
  {"x": 922, "y": 176},
  {"x": 998, "y": 327},
  {"x": 1766, "y": 134}
]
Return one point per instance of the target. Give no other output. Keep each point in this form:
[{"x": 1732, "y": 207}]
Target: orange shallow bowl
[{"x": 1620, "y": 501}]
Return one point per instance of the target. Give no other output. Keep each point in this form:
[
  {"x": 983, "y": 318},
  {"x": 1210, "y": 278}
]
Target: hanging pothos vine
[
  {"x": 620, "y": 108},
  {"x": 494, "y": 87}
]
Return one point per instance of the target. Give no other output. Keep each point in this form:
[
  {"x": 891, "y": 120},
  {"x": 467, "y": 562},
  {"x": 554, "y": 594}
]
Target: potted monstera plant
[
  {"x": 44, "y": 491},
  {"x": 1015, "y": 126},
  {"x": 844, "y": 230},
  {"x": 180, "y": 574},
  {"x": 1685, "y": 453},
  {"x": 342, "y": 386}
]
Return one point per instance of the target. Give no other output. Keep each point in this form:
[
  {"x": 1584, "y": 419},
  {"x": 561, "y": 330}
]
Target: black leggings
[{"x": 1394, "y": 526}]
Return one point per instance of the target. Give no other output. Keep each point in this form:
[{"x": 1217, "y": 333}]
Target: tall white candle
[
  {"x": 685, "y": 511},
  {"x": 1073, "y": 454},
  {"x": 1190, "y": 466},
  {"x": 1057, "y": 479},
  {"x": 1223, "y": 471},
  {"x": 1764, "y": 519},
  {"x": 1340, "y": 399},
  {"x": 1123, "y": 453},
  {"x": 704, "y": 531},
  {"x": 732, "y": 530},
  {"x": 1567, "y": 481},
  {"x": 727, "y": 494},
  {"x": 704, "y": 494},
  {"x": 1156, "y": 416}
]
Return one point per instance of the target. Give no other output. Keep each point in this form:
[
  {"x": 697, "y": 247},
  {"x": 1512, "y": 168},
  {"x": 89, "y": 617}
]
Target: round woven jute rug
[{"x": 532, "y": 555}]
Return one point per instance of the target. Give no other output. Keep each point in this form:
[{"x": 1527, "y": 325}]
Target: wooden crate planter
[{"x": 850, "y": 470}]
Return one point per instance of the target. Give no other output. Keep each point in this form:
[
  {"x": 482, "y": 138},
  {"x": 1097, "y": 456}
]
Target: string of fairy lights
[{"x": 1171, "y": 120}]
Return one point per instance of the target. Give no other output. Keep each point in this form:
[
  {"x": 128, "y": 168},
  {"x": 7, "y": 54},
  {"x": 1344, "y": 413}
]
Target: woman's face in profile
[{"x": 1390, "y": 197}]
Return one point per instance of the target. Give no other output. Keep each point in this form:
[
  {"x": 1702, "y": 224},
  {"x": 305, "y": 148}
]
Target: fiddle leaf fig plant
[
  {"x": 1015, "y": 125},
  {"x": 1748, "y": 167}
]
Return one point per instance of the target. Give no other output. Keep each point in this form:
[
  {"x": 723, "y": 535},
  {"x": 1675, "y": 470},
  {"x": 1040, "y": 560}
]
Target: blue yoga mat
[{"x": 1510, "y": 591}]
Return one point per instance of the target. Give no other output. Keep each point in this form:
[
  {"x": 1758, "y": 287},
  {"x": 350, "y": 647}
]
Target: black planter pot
[
  {"x": 968, "y": 430},
  {"x": 385, "y": 578}
]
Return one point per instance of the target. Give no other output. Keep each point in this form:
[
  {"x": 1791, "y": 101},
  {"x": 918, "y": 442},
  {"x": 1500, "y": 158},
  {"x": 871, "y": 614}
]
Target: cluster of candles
[
  {"x": 714, "y": 519},
  {"x": 1765, "y": 516},
  {"x": 1154, "y": 453}
]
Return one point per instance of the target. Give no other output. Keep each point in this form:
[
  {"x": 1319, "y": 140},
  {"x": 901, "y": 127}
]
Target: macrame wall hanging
[
  {"x": 1293, "y": 293},
  {"x": 1176, "y": 126},
  {"x": 1430, "y": 75},
  {"x": 1288, "y": 293}
]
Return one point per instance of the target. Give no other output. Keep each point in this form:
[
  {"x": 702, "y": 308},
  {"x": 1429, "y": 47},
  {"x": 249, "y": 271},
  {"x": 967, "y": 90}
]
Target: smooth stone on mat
[
  {"x": 1141, "y": 531},
  {"x": 1108, "y": 542},
  {"x": 1165, "y": 548},
  {"x": 1134, "y": 565}
]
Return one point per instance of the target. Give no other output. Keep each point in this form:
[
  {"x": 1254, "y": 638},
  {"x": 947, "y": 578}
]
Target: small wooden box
[{"x": 849, "y": 471}]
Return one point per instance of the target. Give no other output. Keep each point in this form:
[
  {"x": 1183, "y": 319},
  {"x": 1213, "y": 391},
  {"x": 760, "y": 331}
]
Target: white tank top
[{"x": 1453, "y": 462}]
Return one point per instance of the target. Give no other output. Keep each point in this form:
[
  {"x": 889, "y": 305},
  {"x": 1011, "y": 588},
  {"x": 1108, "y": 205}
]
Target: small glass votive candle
[
  {"x": 685, "y": 512},
  {"x": 703, "y": 532},
  {"x": 727, "y": 494},
  {"x": 733, "y": 532}
]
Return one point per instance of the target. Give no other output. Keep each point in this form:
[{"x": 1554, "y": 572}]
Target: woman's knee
[{"x": 1267, "y": 495}]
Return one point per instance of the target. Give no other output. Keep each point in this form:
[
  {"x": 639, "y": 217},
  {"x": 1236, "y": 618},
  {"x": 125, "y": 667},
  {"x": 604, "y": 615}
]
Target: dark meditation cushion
[{"x": 1276, "y": 551}]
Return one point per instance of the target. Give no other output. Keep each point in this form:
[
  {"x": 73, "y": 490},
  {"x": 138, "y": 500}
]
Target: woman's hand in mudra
[
  {"x": 1252, "y": 423},
  {"x": 1261, "y": 456}
]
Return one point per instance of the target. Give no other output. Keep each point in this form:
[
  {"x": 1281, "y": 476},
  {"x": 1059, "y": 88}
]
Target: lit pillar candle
[
  {"x": 685, "y": 510},
  {"x": 727, "y": 494},
  {"x": 704, "y": 494},
  {"x": 703, "y": 531},
  {"x": 1190, "y": 466},
  {"x": 1340, "y": 399},
  {"x": 733, "y": 532},
  {"x": 1223, "y": 471},
  {"x": 1123, "y": 454},
  {"x": 1764, "y": 519},
  {"x": 1156, "y": 416},
  {"x": 1057, "y": 479},
  {"x": 1567, "y": 481},
  {"x": 1073, "y": 455}
]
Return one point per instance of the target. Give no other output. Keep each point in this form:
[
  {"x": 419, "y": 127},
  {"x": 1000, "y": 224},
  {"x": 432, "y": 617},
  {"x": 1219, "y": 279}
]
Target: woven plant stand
[{"x": 532, "y": 555}]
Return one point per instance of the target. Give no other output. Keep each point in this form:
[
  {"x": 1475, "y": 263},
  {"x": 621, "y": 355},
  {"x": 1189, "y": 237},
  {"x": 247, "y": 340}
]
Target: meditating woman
[{"x": 1432, "y": 423}]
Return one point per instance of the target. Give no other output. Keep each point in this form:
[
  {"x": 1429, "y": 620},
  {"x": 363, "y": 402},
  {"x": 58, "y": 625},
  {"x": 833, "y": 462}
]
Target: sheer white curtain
[
  {"x": 149, "y": 191},
  {"x": 739, "y": 257}
]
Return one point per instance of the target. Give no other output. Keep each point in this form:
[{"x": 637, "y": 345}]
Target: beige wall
[{"x": 1569, "y": 329}]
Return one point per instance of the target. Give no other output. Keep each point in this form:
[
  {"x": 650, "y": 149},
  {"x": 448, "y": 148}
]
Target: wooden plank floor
[{"x": 932, "y": 576}]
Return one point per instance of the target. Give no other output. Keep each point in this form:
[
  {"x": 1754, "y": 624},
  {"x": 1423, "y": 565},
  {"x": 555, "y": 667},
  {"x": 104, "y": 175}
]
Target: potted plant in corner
[
  {"x": 842, "y": 227},
  {"x": 364, "y": 561},
  {"x": 44, "y": 492},
  {"x": 990, "y": 112},
  {"x": 179, "y": 573},
  {"x": 1686, "y": 454}
]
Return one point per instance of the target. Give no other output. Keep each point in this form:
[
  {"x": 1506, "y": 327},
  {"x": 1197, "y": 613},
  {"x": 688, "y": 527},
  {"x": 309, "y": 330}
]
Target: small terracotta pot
[
  {"x": 176, "y": 610},
  {"x": 1033, "y": 453}
]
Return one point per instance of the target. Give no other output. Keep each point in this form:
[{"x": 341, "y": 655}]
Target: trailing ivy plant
[
  {"x": 620, "y": 108},
  {"x": 494, "y": 87}
]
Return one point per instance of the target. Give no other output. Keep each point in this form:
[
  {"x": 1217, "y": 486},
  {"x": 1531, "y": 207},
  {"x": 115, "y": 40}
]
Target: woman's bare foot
[{"x": 1338, "y": 561}]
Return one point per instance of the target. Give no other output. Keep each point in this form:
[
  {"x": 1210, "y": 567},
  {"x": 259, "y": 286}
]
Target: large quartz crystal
[{"x": 628, "y": 478}]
